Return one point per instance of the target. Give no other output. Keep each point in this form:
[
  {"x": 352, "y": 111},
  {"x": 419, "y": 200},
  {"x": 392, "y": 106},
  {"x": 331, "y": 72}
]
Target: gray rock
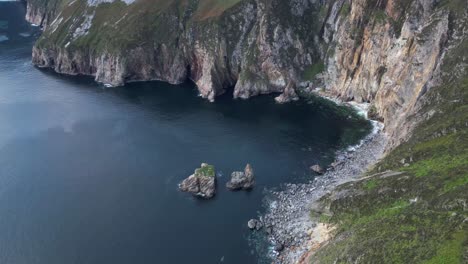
[
  {"x": 258, "y": 226},
  {"x": 317, "y": 169},
  {"x": 279, "y": 247},
  {"x": 242, "y": 180},
  {"x": 202, "y": 183},
  {"x": 254, "y": 224}
]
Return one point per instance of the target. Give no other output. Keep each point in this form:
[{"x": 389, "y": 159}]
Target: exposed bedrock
[
  {"x": 383, "y": 52},
  {"x": 256, "y": 46}
]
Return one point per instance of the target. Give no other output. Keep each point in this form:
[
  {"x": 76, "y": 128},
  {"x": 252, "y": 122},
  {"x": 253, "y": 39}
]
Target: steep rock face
[
  {"x": 255, "y": 46},
  {"x": 385, "y": 52},
  {"x": 42, "y": 12}
]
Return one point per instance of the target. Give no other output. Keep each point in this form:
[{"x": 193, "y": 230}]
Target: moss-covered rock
[{"x": 202, "y": 183}]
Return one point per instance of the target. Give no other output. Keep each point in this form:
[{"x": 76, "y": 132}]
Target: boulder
[
  {"x": 254, "y": 224},
  {"x": 242, "y": 180},
  {"x": 317, "y": 169},
  {"x": 279, "y": 247},
  {"x": 202, "y": 183}
]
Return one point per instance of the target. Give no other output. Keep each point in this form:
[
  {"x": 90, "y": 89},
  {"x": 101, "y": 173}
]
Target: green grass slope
[
  {"x": 118, "y": 27},
  {"x": 413, "y": 206}
]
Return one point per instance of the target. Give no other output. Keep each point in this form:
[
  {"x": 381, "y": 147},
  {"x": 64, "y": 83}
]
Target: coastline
[{"x": 291, "y": 231}]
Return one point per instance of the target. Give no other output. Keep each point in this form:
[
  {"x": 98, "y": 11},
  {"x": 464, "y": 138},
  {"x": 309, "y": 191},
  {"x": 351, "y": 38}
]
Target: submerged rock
[
  {"x": 242, "y": 180},
  {"x": 202, "y": 183},
  {"x": 254, "y": 224},
  {"x": 317, "y": 169}
]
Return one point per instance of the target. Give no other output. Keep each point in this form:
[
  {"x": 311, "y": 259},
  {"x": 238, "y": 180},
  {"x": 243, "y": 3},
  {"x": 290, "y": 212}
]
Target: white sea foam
[
  {"x": 98, "y": 2},
  {"x": 25, "y": 34}
]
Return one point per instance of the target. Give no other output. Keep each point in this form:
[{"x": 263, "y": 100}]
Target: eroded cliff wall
[
  {"x": 407, "y": 58},
  {"x": 386, "y": 52},
  {"x": 257, "y": 47}
]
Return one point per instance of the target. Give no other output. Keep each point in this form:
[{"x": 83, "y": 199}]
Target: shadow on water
[
  {"x": 161, "y": 97},
  {"x": 173, "y": 101}
]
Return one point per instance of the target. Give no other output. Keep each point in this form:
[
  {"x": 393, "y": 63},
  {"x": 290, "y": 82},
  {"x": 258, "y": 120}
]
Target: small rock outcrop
[
  {"x": 254, "y": 224},
  {"x": 202, "y": 183},
  {"x": 242, "y": 180},
  {"x": 317, "y": 169},
  {"x": 279, "y": 247}
]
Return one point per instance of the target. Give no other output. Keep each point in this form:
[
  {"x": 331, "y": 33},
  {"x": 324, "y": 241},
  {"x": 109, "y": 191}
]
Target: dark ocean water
[{"x": 89, "y": 174}]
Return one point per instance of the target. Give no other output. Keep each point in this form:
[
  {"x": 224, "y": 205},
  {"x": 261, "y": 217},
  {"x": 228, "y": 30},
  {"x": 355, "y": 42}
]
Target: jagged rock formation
[
  {"x": 242, "y": 180},
  {"x": 405, "y": 57},
  {"x": 202, "y": 183},
  {"x": 387, "y": 53},
  {"x": 255, "y": 46},
  {"x": 384, "y": 52}
]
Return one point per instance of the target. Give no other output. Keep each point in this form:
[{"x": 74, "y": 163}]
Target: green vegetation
[
  {"x": 373, "y": 114},
  {"x": 205, "y": 171},
  {"x": 117, "y": 27},
  {"x": 380, "y": 16},
  {"x": 322, "y": 14},
  {"x": 438, "y": 165},
  {"x": 450, "y": 251},
  {"x": 415, "y": 212},
  {"x": 324, "y": 218},
  {"x": 312, "y": 71},
  {"x": 345, "y": 9},
  {"x": 371, "y": 184}
]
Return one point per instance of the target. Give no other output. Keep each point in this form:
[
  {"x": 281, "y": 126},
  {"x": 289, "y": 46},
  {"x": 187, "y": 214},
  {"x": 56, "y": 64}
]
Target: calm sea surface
[{"x": 89, "y": 174}]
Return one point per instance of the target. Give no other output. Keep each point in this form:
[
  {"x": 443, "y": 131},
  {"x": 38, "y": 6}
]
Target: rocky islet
[
  {"x": 202, "y": 182},
  {"x": 242, "y": 180}
]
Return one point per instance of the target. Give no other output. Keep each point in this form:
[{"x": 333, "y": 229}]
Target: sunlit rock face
[
  {"x": 383, "y": 52},
  {"x": 257, "y": 47}
]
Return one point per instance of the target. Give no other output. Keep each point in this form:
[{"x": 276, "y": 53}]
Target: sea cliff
[{"x": 406, "y": 59}]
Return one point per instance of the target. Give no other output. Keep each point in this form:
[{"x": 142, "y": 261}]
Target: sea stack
[
  {"x": 242, "y": 180},
  {"x": 202, "y": 183}
]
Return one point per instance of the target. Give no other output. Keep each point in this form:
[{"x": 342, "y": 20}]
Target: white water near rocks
[
  {"x": 89, "y": 174},
  {"x": 288, "y": 210}
]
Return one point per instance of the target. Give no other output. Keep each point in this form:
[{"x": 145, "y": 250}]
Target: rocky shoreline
[{"x": 287, "y": 222}]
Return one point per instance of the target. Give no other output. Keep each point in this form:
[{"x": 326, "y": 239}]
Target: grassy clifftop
[{"x": 117, "y": 26}]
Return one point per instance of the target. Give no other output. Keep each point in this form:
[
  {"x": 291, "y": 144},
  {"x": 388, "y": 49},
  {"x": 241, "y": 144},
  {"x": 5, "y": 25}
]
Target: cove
[{"x": 89, "y": 174}]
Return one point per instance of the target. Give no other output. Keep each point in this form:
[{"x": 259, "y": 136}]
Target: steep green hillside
[
  {"x": 413, "y": 207},
  {"x": 118, "y": 27}
]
